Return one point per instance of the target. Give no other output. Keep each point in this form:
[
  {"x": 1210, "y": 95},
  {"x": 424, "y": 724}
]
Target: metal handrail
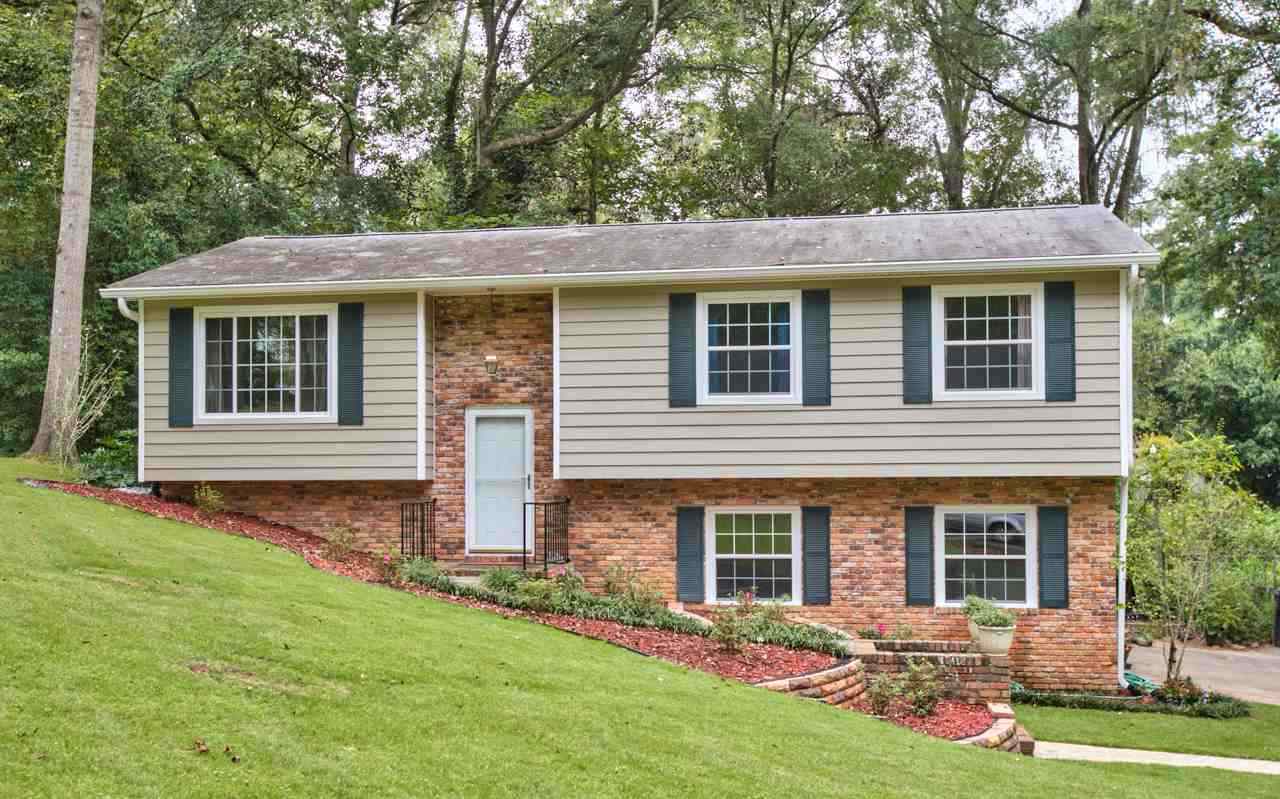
[
  {"x": 555, "y": 532},
  {"x": 418, "y": 529}
]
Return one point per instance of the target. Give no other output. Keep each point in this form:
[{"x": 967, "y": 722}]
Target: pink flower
[{"x": 880, "y": 628}]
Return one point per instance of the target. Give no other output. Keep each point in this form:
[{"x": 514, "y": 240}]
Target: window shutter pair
[
  {"x": 1051, "y": 548},
  {"x": 815, "y": 341},
  {"x": 1059, "y": 345},
  {"x": 350, "y": 389},
  {"x": 691, "y": 555}
]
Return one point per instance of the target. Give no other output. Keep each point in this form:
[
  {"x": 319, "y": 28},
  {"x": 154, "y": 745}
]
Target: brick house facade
[{"x": 632, "y": 523}]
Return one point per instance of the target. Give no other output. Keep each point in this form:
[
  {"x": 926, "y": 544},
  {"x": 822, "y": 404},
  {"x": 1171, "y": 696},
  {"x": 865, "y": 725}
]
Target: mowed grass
[
  {"x": 322, "y": 686},
  {"x": 1257, "y": 736}
]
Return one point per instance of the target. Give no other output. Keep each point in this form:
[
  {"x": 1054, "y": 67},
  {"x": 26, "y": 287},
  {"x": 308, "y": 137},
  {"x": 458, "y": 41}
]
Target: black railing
[
  {"x": 548, "y": 523},
  {"x": 418, "y": 529}
]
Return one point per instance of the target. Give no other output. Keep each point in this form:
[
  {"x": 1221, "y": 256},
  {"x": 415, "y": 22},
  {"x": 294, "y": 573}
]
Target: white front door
[{"x": 499, "y": 477}]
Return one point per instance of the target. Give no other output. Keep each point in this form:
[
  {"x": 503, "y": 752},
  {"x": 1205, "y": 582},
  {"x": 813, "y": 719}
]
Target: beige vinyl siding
[
  {"x": 615, "y": 421},
  {"x": 383, "y": 448}
]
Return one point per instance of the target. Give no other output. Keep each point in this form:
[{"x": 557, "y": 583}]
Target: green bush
[
  {"x": 1211, "y": 706},
  {"x": 628, "y": 588},
  {"x": 209, "y": 499},
  {"x": 503, "y": 579},
  {"x": 1240, "y": 609},
  {"x": 114, "y": 462},
  {"x": 882, "y": 689},
  {"x": 984, "y": 613},
  {"x": 339, "y": 543},
  {"x": 922, "y": 686},
  {"x": 729, "y": 628},
  {"x": 421, "y": 571}
]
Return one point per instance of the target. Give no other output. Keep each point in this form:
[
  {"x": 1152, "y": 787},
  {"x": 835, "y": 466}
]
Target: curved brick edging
[
  {"x": 839, "y": 685},
  {"x": 1004, "y": 733}
]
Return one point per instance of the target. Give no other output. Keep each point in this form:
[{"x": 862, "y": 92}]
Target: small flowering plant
[{"x": 388, "y": 565}]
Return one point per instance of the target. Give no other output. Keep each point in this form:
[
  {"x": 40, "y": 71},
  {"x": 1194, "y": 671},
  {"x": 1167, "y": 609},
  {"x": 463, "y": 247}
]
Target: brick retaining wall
[{"x": 971, "y": 677}]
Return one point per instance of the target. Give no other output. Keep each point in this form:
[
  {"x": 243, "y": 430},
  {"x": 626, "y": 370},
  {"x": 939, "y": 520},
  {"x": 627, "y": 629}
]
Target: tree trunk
[
  {"x": 454, "y": 163},
  {"x": 1129, "y": 175},
  {"x": 62, "y": 376}
]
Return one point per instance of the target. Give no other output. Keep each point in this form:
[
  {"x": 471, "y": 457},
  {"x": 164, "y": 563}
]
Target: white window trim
[
  {"x": 938, "y": 341},
  {"x": 939, "y": 554},
  {"x": 218, "y": 311},
  {"x": 705, "y": 397},
  {"x": 797, "y": 550}
]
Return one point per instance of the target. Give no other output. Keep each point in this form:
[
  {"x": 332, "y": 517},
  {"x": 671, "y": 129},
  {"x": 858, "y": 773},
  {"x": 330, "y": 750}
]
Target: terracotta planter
[{"x": 991, "y": 640}]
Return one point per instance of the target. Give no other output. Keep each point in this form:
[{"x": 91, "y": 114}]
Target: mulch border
[{"x": 756, "y": 663}]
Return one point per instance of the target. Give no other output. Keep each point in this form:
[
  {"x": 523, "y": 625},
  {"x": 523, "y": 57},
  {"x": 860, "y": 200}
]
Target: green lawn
[
  {"x": 1257, "y": 736},
  {"x": 326, "y": 687}
]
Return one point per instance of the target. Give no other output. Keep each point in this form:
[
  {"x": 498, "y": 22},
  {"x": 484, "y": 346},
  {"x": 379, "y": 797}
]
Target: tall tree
[
  {"x": 1095, "y": 74},
  {"x": 63, "y": 373}
]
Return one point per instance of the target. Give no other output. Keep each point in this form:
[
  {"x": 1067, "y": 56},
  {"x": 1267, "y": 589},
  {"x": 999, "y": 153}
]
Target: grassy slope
[
  {"x": 360, "y": 690},
  {"x": 1257, "y": 736}
]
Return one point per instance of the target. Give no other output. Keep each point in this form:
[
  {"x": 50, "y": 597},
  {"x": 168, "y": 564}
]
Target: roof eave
[{"x": 525, "y": 282}]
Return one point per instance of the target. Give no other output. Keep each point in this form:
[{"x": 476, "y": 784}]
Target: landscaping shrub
[
  {"x": 879, "y": 632},
  {"x": 985, "y": 613},
  {"x": 922, "y": 686},
  {"x": 631, "y": 591},
  {"x": 729, "y": 629},
  {"x": 1239, "y": 609},
  {"x": 423, "y": 572},
  {"x": 388, "y": 565},
  {"x": 538, "y": 595},
  {"x": 873, "y": 633},
  {"x": 882, "y": 689},
  {"x": 339, "y": 543},
  {"x": 114, "y": 462},
  {"x": 1212, "y": 705},
  {"x": 502, "y": 579},
  {"x": 209, "y": 499}
]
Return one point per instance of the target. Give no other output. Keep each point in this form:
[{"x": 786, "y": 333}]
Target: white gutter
[
  {"x": 547, "y": 282},
  {"x": 136, "y": 316}
]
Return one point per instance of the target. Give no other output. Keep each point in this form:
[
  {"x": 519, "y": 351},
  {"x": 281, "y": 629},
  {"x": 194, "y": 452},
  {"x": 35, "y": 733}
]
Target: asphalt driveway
[{"x": 1253, "y": 675}]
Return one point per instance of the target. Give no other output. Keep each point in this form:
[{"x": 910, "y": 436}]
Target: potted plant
[{"x": 990, "y": 627}]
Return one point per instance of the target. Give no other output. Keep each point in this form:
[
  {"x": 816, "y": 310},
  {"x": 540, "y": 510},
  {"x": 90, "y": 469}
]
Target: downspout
[
  {"x": 123, "y": 306},
  {"x": 1128, "y": 291}
]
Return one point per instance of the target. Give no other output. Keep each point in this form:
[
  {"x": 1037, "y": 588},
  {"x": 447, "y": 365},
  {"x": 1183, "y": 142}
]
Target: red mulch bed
[
  {"x": 951, "y": 720},
  {"x": 755, "y": 663}
]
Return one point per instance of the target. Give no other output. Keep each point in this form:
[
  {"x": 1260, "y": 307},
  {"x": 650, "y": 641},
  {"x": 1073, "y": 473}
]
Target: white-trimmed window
[
  {"x": 989, "y": 551},
  {"x": 748, "y": 347},
  {"x": 988, "y": 342},
  {"x": 266, "y": 363},
  {"x": 755, "y": 550}
]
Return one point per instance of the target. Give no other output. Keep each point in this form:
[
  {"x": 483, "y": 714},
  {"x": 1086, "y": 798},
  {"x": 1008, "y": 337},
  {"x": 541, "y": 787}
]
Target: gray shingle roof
[{"x": 849, "y": 242}]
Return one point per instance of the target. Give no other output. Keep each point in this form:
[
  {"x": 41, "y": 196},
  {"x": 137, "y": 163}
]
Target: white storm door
[{"x": 499, "y": 477}]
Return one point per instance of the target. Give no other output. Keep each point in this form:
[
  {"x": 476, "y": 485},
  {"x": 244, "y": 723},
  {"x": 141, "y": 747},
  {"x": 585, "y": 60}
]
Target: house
[{"x": 867, "y": 417}]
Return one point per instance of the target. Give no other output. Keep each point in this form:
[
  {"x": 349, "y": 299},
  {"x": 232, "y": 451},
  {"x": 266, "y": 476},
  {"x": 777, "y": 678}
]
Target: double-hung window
[
  {"x": 266, "y": 363},
  {"x": 748, "y": 347},
  {"x": 753, "y": 550},
  {"x": 987, "y": 551},
  {"x": 988, "y": 342}
]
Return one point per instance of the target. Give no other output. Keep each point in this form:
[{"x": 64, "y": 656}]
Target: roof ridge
[{"x": 734, "y": 220}]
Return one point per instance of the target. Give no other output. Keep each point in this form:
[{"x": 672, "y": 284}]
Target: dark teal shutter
[
  {"x": 919, "y": 533},
  {"x": 1052, "y": 555},
  {"x": 815, "y": 312},
  {"x": 682, "y": 333},
  {"x": 917, "y": 350},
  {"x": 815, "y": 523},
  {"x": 351, "y": 363},
  {"x": 690, "y": 555},
  {"x": 181, "y": 367},
  {"x": 1060, "y": 342}
]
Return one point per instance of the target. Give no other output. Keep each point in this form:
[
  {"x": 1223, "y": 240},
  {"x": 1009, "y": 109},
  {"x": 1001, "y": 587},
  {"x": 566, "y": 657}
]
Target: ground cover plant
[
  {"x": 144, "y": 657},
  {"x": 1187, "y": 700}
]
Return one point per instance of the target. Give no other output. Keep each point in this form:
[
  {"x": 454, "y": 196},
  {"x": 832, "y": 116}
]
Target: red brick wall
[
  {"x": 371, "y": 509},
  {"x": 632, "y": 522}
]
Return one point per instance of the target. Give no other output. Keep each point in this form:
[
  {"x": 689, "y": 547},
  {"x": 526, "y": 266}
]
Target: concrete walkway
[
  {"x": 1252, "y": 675},
  {"x": 1106, "y": 754}
]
